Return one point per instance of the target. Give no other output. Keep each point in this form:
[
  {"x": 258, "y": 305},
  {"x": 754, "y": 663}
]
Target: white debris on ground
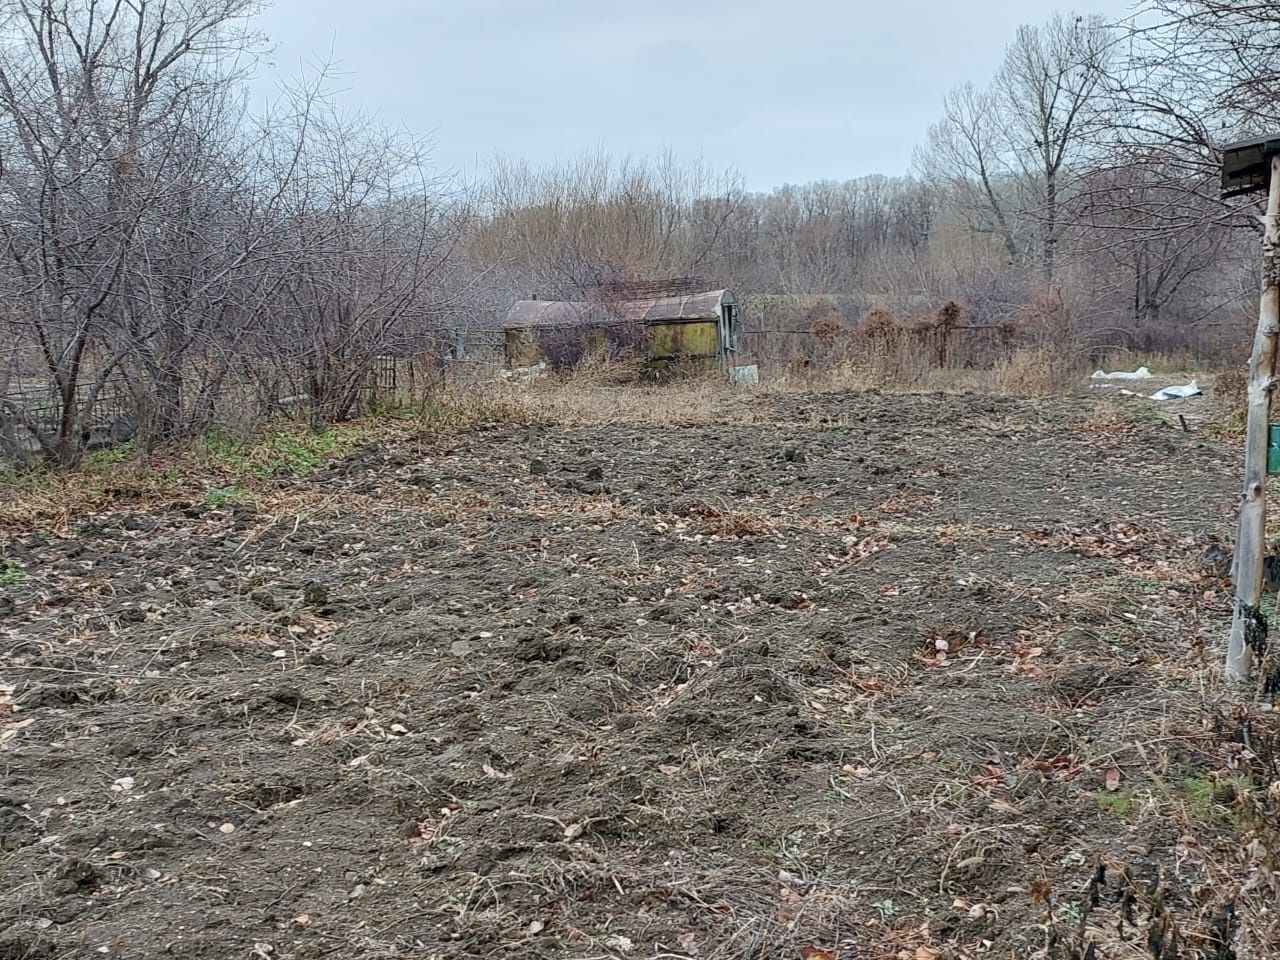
[
  {"x": 1177, "y": 392},
  {"x": 1181, "y": 392},
  {"x": 1142, "y": 373}
]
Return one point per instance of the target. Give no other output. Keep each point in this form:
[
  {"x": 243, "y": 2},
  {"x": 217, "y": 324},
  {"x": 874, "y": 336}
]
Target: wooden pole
[{"x": 1248, "y": 627}]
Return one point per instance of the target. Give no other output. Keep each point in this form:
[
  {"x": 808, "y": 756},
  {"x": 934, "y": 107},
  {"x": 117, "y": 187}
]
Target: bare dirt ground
[{"x": 850, "y": 676}]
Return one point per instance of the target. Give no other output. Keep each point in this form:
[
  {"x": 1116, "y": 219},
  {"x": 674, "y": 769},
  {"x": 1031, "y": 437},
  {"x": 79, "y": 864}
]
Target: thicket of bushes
[{"x": 192, "y": 261}]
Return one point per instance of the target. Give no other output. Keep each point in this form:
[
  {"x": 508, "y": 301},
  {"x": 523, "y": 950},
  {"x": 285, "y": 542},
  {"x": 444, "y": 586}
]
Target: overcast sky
[{"x": 783, "y": 91}]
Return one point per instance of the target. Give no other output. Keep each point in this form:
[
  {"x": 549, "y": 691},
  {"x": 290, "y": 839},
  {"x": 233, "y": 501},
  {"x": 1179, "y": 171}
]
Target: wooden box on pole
[{"x": 1249, "y": 167}]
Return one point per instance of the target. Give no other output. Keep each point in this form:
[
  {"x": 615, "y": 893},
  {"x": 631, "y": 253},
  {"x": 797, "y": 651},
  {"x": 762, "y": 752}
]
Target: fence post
[{"x": 1248, "y": 628}]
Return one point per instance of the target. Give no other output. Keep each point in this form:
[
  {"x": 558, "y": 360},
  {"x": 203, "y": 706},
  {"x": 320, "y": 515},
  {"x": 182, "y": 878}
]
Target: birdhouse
[{"x": 1246, "y": 166}]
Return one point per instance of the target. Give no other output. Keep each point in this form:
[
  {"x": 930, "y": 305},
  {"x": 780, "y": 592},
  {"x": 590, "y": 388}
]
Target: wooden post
[{"x": 1248, "y": 628}]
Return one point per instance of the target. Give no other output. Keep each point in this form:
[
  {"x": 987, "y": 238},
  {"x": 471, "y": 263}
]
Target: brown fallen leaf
[
  {"x": 1111, "y": 779},
  {"x": 816, "y": 953},
  {"x": 1040, "y": 891}
]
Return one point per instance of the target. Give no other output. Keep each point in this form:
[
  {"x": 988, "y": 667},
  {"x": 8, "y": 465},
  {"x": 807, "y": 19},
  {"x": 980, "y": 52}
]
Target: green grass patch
[
  {"x": 117, "y": 453},
  {"x": 225, "y": 459},
  {"x": 11, "y": 575},
  {"x": 299, "y": 456},
  {"x": 1212, "y": 799},
  {"x": 287, "y": 450},
  {"x": 1119, "y": 804},
  {"x": 218, "y": 497},
  {"x": 223, "y": 445},
  {"x": 1144, "y": 586}
]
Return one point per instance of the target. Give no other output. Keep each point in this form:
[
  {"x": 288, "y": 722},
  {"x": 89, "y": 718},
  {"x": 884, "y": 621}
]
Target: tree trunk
[
  {"x": 168, "y": 399},
  {"x": 1050, "y": 227},
  {"x": 1249, "y": 627}
]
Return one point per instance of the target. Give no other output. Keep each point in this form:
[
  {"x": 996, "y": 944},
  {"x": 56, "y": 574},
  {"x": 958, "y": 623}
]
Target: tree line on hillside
[{"x": 162, "y": 238}]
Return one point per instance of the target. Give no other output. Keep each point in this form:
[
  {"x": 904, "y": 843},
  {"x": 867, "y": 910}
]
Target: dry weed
[
  {"x": 588, "y": 400},
  {"x": 1231, "y": 392},
  {"x": 1039, "y": 371}
]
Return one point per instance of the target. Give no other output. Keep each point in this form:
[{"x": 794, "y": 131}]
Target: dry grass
[
  {"x": 228, "y": 465},
  {"x": 594, "y": 399},
  {"x": 1230, "y": 390},
  {"x": 1028, "y": 372},
  {"x": 1039, "y": 372},
  {"x": 1160, "y": 363},
  {"x": 225, "y": 467}
]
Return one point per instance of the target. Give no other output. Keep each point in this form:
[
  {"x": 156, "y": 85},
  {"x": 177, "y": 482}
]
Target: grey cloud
[{"x": 781, "y": 91}]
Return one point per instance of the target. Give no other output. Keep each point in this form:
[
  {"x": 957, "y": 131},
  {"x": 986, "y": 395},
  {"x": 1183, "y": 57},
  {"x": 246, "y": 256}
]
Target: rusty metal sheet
[{"x": 682, "y": 340}]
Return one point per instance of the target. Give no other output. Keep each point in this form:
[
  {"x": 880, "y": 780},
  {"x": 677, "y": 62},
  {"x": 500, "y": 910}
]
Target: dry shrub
[
  {"x": 890, "y": 354},
  {"x": 912, "y": 351},
  {"x": 1044, "y": 317},
  {"x": 879, "y": 322},
  {"x": 1231, "y": 392},
  {"x": 573, "y": 345},
  {"x": 602, "y": 367},
  {"x": 832, "y": 331},
  {"x": 1039, "y": 371}
]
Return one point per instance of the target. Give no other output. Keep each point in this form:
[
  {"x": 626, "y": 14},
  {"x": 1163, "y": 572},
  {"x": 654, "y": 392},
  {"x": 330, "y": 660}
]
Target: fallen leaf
[
  {"x": 302, "y": 919},
  {"x": 816, "y": 953},
  {"x": 688, "y": 943},
  {"x": 536, "y": 927},
  {"x": 927, "y": 953},
  {"x": 1111, "y": 779},
  {"x": 227, "y": 828},
  {"x": 573, "y": 831}
]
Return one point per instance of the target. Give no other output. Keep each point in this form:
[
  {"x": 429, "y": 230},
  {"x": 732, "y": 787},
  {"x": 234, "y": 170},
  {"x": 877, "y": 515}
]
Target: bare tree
[
  {"x": 563, "y": 231},
  {"x": 1003, "y": 153},
  {"x": 1049, "y": 91},
  {"x": 90, "y": 91}
]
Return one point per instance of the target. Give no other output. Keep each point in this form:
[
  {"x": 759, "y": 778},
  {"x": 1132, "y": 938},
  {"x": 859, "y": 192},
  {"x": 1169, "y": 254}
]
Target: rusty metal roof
[{"x": 560, "y": 313}]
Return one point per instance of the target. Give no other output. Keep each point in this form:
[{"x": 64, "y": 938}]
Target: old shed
[{"x": 695, "y": 330}]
